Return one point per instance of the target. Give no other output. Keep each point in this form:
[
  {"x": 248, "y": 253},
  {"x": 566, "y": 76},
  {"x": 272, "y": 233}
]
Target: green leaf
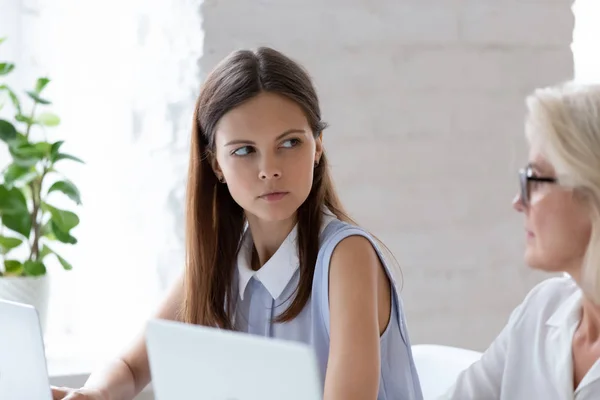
[
  {"x": 41, "y": 84},
  {"x": 8, "y": 243},
  {"x": 20, "y": 223},
  {"x": 7, "y": 131},
  {"x": 37, "y": 150},
  {"x": 13, "y": 97},
  {"x": 65, "y": 264},
  {"x": 16, "y": 173},
  {"x": 62, "y": 156},
  {"x": 48, "y": 119},
  {"x": 68, "y": 188},
  {"x": 37, "y": 98},
  {"x": 47, "y": 231},
  {"x": 27, "y": 154},
  {"x": 6, "y": 68},
  {"x": 45, "y": 252},
  {"x": 14, "y": 211},
  {"x": 19, "y": 140},
  {"x": 64, "y": 220},
  {"x": 12, "y": 201},
  {"x": 54, "y": 149},
  {"x": 13, "y": 268},
  {"x": 2, "y": 39},
  {"x": 34, "y": 268},
  {"x": 61, "y": 236},
  {"x": 43, "y": 148},
  {"x": 25, "y": 119}
]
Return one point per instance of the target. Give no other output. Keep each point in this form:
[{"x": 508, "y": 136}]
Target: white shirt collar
[
  {"x": 564, "y": 321},
  {"x": 276, "y": 273},
  {"x": 568, "y": 313}
]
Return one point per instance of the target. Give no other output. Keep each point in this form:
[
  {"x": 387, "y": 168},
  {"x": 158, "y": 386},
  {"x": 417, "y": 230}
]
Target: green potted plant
[{"x": 29, "y": 180}]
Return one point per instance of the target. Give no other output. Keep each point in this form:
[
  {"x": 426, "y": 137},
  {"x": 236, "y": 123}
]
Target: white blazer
[{"x": 532, "y": 357}]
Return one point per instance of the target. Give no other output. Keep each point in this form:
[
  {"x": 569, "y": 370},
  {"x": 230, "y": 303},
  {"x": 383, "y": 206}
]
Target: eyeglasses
[{"x": 527, "y": 178}]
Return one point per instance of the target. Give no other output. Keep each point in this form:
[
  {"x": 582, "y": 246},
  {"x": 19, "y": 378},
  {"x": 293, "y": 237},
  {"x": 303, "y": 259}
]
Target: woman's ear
[
  {"x": 318, "y": 148},
  {"x": 214, "y": 164}
]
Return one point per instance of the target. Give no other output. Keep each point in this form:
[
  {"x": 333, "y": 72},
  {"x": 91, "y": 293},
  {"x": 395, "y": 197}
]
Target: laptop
[
  {"x": 194, "y": 362},
  {"x": 23, "y": 370}
]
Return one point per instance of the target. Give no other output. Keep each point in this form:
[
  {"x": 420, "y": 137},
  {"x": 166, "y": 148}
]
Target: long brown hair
[{"x": 214, "y": 221}]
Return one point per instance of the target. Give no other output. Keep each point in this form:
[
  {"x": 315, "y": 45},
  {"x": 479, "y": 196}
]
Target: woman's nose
[
  {"x": 518, "y": 203},
  {"x": 270, "y": 169}
]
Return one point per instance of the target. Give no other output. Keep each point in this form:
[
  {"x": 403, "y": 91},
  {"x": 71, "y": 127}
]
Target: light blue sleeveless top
[{"x": 265, "y": 293}]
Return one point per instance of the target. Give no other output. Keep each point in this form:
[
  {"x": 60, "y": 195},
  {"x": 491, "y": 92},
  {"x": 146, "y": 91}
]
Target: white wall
[
  {"x": 585, "y": 40},
  {"x": 10, "y": 51},
  {"x": 124, "y": 81},
  {"x": 425, "y": 101}
]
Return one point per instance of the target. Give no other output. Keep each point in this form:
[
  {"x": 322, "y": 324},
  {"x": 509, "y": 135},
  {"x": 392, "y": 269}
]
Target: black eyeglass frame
[{"x": 526, "y": 175}]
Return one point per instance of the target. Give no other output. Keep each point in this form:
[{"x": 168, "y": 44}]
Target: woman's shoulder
[
  {"x": 545, "y": 298},
  {"x": 347, "y": 238},
  {"x": 333, "y": 227},
  {"x": 345, "y": 245},
  {"x": 553, "y": 290}
]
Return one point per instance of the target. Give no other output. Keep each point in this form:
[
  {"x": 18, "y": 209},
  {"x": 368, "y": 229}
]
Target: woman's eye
[
  {"x": 242, "y": 151},
  {"x": 534, "y": 185},
  {"x": 290, "y": 143}
]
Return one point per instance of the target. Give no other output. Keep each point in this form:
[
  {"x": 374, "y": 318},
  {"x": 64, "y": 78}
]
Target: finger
[
  {"x": 59, "y": 393},
  {"x": 76, "y": 394}
]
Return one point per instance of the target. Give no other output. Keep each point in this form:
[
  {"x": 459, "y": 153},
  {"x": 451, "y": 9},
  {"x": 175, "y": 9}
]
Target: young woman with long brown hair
[{"x": 265, "y": 227}]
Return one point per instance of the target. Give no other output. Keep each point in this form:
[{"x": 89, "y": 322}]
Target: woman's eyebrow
[{"x": 249, "y": 142}]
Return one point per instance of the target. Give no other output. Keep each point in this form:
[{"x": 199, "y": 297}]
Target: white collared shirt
[
  {"x": 265, "y": 293},
  {"x": 532, "y": 357}
]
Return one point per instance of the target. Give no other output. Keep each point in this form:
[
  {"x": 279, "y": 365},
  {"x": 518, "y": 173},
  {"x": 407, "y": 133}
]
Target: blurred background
[{"x": 425, "y": 100}]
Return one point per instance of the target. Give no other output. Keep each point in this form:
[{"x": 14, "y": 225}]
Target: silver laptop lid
[
  {"x": 23, "y": 370},
  {"x": 194, "y": 362}
]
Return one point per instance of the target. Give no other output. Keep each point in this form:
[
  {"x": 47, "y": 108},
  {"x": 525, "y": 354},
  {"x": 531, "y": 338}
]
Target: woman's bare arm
[{"x": 359, "y": 304}]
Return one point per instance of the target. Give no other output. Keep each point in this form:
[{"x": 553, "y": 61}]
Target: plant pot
[{"x": 29, "y": 290}]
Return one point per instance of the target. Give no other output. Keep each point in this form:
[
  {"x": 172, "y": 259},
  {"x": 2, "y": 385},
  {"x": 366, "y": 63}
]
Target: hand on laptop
[{"x": 62, "y": 393}]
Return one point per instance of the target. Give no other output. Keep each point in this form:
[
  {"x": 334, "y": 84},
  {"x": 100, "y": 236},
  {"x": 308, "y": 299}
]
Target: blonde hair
[{"x": 564, "y": 121}]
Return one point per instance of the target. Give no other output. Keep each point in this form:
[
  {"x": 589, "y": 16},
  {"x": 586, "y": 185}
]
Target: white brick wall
[{"x": 425, "y": 101}]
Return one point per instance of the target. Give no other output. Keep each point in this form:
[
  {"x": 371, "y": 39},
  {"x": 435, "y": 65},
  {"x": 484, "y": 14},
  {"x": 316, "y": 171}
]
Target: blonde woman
[{"x": 550, "y": 347}]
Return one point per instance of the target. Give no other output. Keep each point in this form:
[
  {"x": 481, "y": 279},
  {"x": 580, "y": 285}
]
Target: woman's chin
[
  {"x": 534, "y": 261},
  {"x": 275, "y": 213}
]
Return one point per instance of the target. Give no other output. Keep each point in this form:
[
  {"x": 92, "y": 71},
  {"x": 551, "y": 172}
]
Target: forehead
[{"x": 264, "y": 115}]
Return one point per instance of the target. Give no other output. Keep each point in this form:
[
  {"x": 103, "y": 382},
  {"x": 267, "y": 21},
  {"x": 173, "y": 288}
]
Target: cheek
[
  {"x": 301, "y": 171},
  {"x": 561, "y": 232},
  {"x": 240, "y": 175}
]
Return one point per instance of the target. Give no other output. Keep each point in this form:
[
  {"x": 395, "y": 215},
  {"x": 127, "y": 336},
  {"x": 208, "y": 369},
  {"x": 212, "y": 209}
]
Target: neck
[
  {"x": 590, "y": 319},
  {"x": 268, "y": 236},
  {"x": 589, "y": 326}
]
